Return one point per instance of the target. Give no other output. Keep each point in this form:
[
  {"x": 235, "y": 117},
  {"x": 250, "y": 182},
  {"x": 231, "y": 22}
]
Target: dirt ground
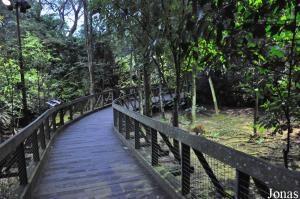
[{"x": 233, "y": 127}]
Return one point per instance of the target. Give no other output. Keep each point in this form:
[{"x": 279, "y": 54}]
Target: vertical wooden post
[
  {"x": 47, "y": 128},
  {"x": 115, "y": 118},
  {"x": 185, "y": 169},
  {"x": 154, "y": 147},
  {"x": 120, "y": 122},
  {"x": 127, "y": 121},
  {"x": 22, "y": 171},
  {"x": 71, "y": 112},
  {"x": 61, "y": 116},
  {"x": 42, "y": 136},
  {"x": 102, "y": 100},
  {"x": 35, "y": 146},
  {"x": 243, "y": 182},
  {"x": 81, "y": 108},
  {"x": 137, "y": 144},
  {"x": 54, "y": 121},
  {"x": 176, "y": 148},
  {"x": 93, "y": 102}
]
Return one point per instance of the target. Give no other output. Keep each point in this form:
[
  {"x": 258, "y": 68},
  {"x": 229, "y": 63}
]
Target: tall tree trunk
[
  {"x": 22, "y": 72},
  {"x": 39, "y": 90},
  {"x": 175, "y": 119},
  {"x": 194, "y": 94},
  {"x": 211, "y": 85},
  {"x": 161, "y": 103},
  {"x": 147, "y": 90},
  {"x": 140, "y": 90},
  {"x": 255, "y": 115},
  {"x": 289, "y": 87},
  {"x": 176, "y": 102},
  {"x": 89, "y": 48}
]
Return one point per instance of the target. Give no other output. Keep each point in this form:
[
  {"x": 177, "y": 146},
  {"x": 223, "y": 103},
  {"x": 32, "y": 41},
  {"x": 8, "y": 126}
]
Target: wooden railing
[
  {"x": 198, "y": 168},
  {"x": 21, "y": 156}
]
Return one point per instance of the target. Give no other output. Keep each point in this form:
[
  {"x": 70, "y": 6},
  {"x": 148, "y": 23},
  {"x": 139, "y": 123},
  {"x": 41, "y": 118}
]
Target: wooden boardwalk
[{"x": 88, "y": 161}]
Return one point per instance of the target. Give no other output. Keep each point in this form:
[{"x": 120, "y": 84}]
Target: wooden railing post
[
  {"x": 127, "y": 121},
  {"x": 120, "y": 122},
  {"x": 115, "y": 117},
  {"x": 21, "y": 161},
  {"x": 137, "y": 144},
  {"x": 93, "y": 103},
  {"x": 35, "y": 146},
  {"x": 61, "y": 116},
  {"x": 71, "y": 112},
  {"x": 54, "y": 121},
  {"x": 47, "y": 128},
  {"x": 102, "y": 100},
  {"x": 42, "y": 136},
  {"x": 154, "y": 147},
  {"x": 185, "y": 169},
  {"x": 242, "y": 185},
  {"x": 81, "y": 108}
]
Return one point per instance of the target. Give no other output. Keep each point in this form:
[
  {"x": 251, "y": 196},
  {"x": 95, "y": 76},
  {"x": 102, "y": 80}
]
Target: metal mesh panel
[
  {"x": 211, "y": 178},
  {"x": 167, "y": 161}
]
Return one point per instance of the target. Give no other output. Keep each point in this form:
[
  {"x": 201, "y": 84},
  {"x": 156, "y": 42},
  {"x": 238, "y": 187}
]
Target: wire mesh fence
[{"x": 199, "y": 167}]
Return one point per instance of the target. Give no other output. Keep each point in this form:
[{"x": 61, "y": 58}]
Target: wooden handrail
[
  {"x": 278, "y": 178},
  {"x": 38, "y": 135},
  {"x": 11, "y": 144}
]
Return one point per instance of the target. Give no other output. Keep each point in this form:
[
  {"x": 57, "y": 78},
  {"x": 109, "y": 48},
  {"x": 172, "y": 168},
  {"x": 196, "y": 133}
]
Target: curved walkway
[{"x": 88, "y": 161}]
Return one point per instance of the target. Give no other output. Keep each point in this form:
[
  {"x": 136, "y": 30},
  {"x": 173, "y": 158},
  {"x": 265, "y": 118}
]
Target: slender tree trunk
[
  {"x": 22, "y": 72},
  {"x": 140, "y": 92},
  {"x": 194, "y": 94},
  {"x": 255, "y": 115},
  {"x": 162, "y": 109},
  {"x": 147, "y": 90},
  {"x": 145, "y": 21},
  {"x": 175, "y": 118},
  {"x": 176, "y": 102},
  {"x": 289, "y": 87},
  {"x": 211, "y": 85},
  {"x": 39, "y": 90},
  {"x": 89, "y": 48}
]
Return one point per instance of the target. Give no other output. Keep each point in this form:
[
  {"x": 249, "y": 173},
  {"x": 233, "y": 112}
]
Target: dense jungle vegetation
[{"x": 236, "y": 62}]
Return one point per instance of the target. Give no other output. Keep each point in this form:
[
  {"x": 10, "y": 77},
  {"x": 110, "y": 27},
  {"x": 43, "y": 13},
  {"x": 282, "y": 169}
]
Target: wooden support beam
[
  {"x": 54, "y": 121},
  {"x": 35, "y": 146},
  {"x": 185, "y": 169},
  {"x": 42, "y": 136},
  {"x": 21, "y": 161},
  {"x": 127, "y": 126},
  {"x": 137, "y": 135},
  {"x": 71, "y": 112},
  {"x": 170, "y": 146},
  {"x": 154, "y": 148},
  {"x": 263, "y": 189},
  {"x": 47, "y": 128},
  {"x": 242, "y": 185},
  {"x": 61, "y": 116},
  {"x": 120, "y": 122}
]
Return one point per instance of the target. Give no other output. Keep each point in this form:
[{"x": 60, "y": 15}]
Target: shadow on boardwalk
[{"x": 88, "y": 161}]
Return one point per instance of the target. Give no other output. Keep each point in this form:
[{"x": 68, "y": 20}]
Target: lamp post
[{"x": 20, "y": 6}]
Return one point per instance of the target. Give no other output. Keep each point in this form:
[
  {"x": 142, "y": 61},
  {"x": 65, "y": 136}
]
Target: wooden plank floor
[{"x": 88, "y": 161}]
